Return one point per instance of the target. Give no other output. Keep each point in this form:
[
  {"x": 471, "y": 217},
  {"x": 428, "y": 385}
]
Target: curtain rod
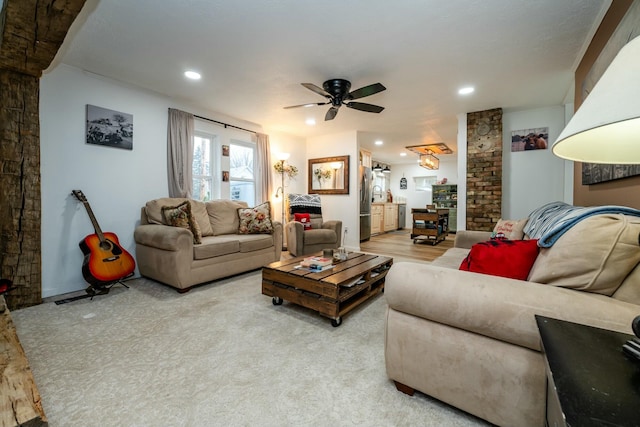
[{"x": 226, "y": 125}]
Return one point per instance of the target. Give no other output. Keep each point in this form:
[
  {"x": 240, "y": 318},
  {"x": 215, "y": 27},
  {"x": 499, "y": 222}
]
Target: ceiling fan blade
[
  {"x": 366, "y": 91},
  {"x": 369, "y": 108},
  {"x": 310, "y": 104},
  {"x": 316, "y": 89},
  {"x": 331, "y": 114}
]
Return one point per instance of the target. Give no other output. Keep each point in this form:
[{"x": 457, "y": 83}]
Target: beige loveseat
[
  {"x": 168, "y": 254},
  {"x": 471, "y": 340}
]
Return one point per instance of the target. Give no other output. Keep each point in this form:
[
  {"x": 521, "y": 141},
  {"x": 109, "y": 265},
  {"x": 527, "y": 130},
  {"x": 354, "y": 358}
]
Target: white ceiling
[{"x": 253, "y": 55}]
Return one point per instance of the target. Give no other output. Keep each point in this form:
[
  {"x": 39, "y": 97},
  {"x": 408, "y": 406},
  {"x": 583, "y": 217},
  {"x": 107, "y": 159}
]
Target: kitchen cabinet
[
  {"x": 390, "y": 217},
  {"x": 365, "y": 158},
  {"x": 377, "y": 213}
]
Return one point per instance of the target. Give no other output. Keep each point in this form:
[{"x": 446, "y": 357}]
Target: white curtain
[
  {"x": 180, "y": 153},
  {"x": 265, "y": 189}
]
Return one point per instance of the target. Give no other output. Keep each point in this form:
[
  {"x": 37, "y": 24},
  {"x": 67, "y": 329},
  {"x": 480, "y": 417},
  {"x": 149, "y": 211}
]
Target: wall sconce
[{"x": 429, "y": 161}]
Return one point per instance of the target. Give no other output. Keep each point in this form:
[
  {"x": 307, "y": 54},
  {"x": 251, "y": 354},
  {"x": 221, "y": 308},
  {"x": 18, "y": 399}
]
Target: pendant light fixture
[
  {"x": 377, "y": 167},
  {"x": 386, "y": 169}
]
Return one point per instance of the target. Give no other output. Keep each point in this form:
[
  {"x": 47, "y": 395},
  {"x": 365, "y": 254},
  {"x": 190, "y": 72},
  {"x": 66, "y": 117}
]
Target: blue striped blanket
[{"x": 552, "y": 220}]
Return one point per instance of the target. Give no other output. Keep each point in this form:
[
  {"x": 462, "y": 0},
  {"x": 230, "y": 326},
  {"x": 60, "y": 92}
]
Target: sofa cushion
[
  {"x": 504, "y": 258},
  {"x": 256, "y": 220},
  {"x": 180, "y": 216},
  {"x": 317, "y": 236},
  {"x": 213, "y": 246},
  {"x": 595, "y": 255},
  {"x": 254, "y": 242},
  {"x": 199, "y": 212},
  {"x": 511, "y": 229},
  {"x": 153, "y": 209},
  {"x": 451, "y": 258},
  {"x": 223, "y": 215}
]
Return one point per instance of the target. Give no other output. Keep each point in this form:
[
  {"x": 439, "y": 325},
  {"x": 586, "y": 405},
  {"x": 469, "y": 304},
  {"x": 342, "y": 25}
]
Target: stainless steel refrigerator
[{"x": 364, "y": 191}]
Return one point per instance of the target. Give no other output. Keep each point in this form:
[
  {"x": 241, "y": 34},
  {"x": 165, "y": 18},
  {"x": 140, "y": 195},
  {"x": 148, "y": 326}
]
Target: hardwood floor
[{"x": 398, "y": 244}]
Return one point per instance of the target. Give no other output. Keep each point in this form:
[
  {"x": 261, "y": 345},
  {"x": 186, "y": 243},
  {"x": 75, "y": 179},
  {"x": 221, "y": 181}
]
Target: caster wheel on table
[
  {"x": 336, "y": 322},
  {"x": 276, "y": 301}
]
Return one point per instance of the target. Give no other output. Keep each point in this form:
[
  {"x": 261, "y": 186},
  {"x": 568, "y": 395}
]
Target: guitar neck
[{"x": 94, "y": 222}]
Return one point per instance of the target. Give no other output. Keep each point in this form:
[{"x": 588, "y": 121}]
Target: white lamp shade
[
  {"x": 606, "y": 127},
  {"x": 283, "y": 156}
]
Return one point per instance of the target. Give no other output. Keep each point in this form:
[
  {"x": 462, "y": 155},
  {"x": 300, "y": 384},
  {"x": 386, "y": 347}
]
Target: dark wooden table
[
  {"x": 333, "y": 292},
  {"x": 591, "y": 382}
]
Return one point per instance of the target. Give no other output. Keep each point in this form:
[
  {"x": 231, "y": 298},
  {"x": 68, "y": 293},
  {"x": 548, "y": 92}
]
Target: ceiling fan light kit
[{"x": 337, "y": 93}]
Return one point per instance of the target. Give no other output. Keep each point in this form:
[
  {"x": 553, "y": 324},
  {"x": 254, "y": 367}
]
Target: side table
[{"x": 590, "y": 381}]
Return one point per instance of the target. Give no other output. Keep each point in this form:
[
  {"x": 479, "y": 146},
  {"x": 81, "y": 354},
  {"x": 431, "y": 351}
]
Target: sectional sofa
[{"x": 471, "y": 340}]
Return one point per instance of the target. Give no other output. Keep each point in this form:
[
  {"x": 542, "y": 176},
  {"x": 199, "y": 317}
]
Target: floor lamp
[
  {"x": 282, "y": 157},
  {"x": 605, "y": 128}
]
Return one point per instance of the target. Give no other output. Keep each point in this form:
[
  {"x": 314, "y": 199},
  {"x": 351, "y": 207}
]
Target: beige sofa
[
  {"x": 168, "y": 254},
  {"x": 471, "y": 340}
]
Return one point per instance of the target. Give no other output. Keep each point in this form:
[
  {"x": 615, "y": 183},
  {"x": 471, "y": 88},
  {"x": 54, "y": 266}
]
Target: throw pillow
[
  {"x": 180, "y": 216},
  {"x": 595, "y": 255},
  {"x": 304, "y": 218},
  {"x": 255, "y": 220},
  {"x": 505, "y": 258},
  {"x": 510, "y": 229}
]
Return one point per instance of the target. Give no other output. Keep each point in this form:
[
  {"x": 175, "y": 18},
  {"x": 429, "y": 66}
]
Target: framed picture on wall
[
  {"x": 530, "y": 139},
  {"x": 109, "y": 128},
  {"x": 225, "y": 150}
]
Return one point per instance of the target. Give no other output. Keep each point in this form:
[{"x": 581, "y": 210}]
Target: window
[
  {"x": 242, "y": 174},
  {"x": 202, "y": 168}
]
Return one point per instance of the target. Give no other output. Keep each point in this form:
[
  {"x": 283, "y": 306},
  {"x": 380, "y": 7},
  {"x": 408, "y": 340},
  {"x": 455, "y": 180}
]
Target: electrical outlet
[{"x": 346, "y": 230}]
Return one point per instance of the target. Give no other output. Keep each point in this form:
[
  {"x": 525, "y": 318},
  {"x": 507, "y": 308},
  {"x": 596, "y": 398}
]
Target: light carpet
[{"x": 221, "y": 354}]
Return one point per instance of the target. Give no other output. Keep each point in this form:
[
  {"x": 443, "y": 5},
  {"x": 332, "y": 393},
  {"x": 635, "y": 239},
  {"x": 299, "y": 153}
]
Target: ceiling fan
[{"x": 337, "y": 93}]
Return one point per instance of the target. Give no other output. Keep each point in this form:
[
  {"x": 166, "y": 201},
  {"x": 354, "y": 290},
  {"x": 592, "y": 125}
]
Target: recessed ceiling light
[
  {"x": 310, "y": 122},
  {"x": 466, "y": 90},
  {"x": 378, "y": 142},
  {"x": 403, "y": 154},
  {"x": 192, "y": 75}
]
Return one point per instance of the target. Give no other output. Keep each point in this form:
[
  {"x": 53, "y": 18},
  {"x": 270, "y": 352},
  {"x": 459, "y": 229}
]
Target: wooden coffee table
[{"x": 333, "y": 292}]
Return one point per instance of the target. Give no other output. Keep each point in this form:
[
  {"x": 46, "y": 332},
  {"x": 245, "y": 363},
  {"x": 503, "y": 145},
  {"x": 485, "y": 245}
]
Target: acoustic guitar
[{"x": 105, "y": 261}]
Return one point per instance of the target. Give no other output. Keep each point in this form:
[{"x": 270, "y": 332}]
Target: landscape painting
[{"x": 109, "y": 127}]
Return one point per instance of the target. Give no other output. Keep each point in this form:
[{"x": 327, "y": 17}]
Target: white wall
[
  {"x": 116, "y": 182},
  {"x": 415, "y": 198},
  {"x": 342, "y": 207},
  {"x": 531, "y": 178}
]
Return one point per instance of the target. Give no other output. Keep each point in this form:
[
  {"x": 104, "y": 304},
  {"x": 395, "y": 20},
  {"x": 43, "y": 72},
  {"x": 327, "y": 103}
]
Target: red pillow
[
  {"x": 304, "y": 218},
  {"x": 505, "y": 258}
]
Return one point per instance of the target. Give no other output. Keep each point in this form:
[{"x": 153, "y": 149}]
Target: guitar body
[{"x": 105, "y": 262}]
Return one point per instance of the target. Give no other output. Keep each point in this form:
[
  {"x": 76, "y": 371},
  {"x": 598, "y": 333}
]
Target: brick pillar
[{"x": 484, "y": 169}]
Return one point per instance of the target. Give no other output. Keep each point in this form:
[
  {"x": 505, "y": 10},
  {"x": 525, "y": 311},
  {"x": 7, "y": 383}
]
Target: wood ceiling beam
[{"x": 32, "y": 31}]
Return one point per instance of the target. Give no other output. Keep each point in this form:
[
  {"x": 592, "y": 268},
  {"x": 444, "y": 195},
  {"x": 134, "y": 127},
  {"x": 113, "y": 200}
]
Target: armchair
[{"x": 321, "y": 235}]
